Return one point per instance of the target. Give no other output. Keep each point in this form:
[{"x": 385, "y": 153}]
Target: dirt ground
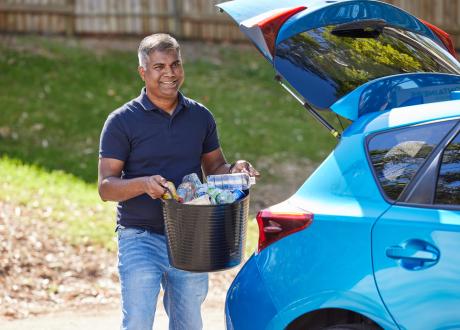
[{"x": 108, "y": 318}]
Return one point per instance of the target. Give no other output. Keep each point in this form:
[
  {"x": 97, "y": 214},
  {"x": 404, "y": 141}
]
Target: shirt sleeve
[
  {"x": 114, "y": 142},
  {"x": 211, "y": 141}
]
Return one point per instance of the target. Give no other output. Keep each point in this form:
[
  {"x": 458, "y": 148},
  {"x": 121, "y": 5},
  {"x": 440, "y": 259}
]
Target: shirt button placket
[{"x": 170, "y": 130}]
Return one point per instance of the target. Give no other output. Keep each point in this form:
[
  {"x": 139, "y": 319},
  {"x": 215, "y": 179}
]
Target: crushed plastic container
[{"x": 206, "y": 238}]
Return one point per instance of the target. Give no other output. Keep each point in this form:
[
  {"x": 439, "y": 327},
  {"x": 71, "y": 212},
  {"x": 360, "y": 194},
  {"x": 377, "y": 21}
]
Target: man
[{"x": 160, "y": 135}]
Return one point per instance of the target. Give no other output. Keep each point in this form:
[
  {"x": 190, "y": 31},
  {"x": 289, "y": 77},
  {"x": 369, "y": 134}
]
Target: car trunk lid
[{"x": 326, "y": 50}]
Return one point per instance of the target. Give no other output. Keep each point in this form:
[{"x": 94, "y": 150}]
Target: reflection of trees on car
[
  {"x": 368, "y": 57},
  {"x": 448, "y": 188},
  {"x": 348, "y": 62},
  {"x": 397, "y": 155},
  {"x": 397, "y": 166}
]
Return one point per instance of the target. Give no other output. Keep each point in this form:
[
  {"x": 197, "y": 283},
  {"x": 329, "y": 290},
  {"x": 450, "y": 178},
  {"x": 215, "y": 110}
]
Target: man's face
[{"x": 163, "y": 76}]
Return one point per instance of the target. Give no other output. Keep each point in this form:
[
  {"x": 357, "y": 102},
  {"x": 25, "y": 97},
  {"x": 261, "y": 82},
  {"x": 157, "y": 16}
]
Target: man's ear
[{"x": 141, "y": 71}]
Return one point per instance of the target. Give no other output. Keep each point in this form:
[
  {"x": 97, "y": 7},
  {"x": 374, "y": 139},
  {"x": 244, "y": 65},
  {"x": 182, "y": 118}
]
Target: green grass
[
  {"x": 54, "y": 102},
  {"x": 55, "y": 97},
  {"x": 69, "y": 205}
]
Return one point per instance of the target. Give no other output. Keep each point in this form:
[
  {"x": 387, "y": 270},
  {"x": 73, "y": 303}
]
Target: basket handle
[
  {"x": 166, "y": 188},
  {"x": 163, "y": 200}
]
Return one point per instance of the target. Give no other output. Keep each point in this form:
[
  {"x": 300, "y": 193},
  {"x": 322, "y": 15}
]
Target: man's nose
[{"x": 169, "y": 70}]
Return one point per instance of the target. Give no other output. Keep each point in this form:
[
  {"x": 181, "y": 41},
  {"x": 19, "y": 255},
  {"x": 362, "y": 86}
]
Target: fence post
[
  {"x": 70, "y": 18},
  {"x": 145, "y": 14},
  {"x": 177, "y": 14}
]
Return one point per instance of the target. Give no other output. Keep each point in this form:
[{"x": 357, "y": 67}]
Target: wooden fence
[{"x": 186, "y": 19}]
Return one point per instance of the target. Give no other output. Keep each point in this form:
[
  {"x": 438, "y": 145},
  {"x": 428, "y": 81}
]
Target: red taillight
[
  {"x": 443, "y": 35},
  {"x": 271, "y": 25},
  {"x": 274, "y": 226}
]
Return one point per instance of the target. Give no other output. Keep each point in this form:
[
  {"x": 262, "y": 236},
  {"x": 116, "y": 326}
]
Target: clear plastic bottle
[
  {"x": 225, "y": 197},
  {"x": 201, "y": 190},
  {"x": 213, "y": 193},
  {"x": 186, "y": 191},
  {"x": 193, "y": 178},
  {"x": 234, "y": 181}
]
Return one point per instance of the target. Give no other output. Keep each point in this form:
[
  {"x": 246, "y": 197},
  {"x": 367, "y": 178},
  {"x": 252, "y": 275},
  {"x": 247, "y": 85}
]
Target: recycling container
[{"x": 206, "y": 238}]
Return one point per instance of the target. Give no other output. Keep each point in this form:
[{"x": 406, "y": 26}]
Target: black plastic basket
[{"x": 206, "y": 238}]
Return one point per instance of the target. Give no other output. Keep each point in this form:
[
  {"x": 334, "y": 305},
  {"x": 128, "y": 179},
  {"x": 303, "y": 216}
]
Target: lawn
[
  {"x": 55, "y": 96},
  {"x": 70, "y": 206}
]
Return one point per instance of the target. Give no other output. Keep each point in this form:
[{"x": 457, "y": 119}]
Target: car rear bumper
[{"x": 248, "y": 304}]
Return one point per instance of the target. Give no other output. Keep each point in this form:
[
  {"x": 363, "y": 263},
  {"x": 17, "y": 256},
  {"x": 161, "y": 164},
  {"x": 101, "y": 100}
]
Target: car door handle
[
  {"x": 414, "y": 254},
  {"x": 399, "y": 252}
]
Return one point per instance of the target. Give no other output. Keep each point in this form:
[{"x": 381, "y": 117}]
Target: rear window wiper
[{"x": 369, "y": 28}]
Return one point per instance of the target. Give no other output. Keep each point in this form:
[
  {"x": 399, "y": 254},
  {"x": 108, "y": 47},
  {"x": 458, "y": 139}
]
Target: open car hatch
[{"x": 333, "y": 53}]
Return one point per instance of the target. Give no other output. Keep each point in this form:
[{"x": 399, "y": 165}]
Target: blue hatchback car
[{"x": 372, "y": 239}]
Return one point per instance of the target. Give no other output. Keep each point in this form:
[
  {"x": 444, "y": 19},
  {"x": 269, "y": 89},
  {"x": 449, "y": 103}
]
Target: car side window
[
  {"x": 397, "y": 155},
  {"x": 448, "y": 186}
]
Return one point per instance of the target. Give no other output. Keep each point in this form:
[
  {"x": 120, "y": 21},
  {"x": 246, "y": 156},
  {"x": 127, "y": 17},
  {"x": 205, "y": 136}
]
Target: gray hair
[{"x": 156, "y": 42}]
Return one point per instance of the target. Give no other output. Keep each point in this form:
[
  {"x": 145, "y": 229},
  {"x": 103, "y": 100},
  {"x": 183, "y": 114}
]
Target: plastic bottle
[
  {"x": 235, "y": 181},
  {"x": 213, "y": 193},
  {"x": 225, "y": 197},
  {"x": 193, "y": 178},
  {"x": 186, "y": 191},
  {"x": 201, "y": 190}
]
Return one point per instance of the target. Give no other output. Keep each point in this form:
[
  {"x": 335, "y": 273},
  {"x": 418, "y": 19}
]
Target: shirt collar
[{"x": 148, "y": 105}]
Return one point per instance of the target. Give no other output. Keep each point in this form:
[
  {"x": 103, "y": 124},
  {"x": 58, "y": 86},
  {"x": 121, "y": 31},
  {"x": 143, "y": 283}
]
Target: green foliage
[{"x": 69, "y": 205}]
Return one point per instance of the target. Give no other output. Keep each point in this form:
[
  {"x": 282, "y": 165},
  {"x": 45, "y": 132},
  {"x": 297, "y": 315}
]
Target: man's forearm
[{"x": 117, "y": 190}]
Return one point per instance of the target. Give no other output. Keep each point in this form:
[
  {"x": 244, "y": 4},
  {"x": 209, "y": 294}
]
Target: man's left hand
[{"x": 243, "y": 166}]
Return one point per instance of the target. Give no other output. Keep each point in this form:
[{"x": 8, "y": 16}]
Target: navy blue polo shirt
[{"x": 150, "y": 141}]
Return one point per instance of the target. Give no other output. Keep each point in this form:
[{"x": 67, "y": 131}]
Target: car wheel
[{"x": 354, "y": 326}]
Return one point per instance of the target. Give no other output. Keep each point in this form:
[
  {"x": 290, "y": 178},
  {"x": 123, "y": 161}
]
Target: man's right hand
[{"x": 154, "y": 186}]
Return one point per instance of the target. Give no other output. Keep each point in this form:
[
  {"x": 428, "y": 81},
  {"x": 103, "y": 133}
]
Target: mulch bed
[{"x": 40, "y": 274}]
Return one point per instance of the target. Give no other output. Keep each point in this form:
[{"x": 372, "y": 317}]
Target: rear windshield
[{"x": 325, "y": 63}]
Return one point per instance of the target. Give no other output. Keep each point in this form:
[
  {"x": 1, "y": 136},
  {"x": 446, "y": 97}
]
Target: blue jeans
[{"x": 143, "y": 264}]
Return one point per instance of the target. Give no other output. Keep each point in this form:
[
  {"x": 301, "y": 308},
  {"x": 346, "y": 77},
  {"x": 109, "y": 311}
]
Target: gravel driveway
[{"x": 109, "y": 319}]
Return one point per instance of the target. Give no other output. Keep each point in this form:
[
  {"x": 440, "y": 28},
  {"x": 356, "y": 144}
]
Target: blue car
[{"x": 372, "y": 239}]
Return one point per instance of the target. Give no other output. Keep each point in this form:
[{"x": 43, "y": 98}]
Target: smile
[{"x": 169, "y": 83}]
